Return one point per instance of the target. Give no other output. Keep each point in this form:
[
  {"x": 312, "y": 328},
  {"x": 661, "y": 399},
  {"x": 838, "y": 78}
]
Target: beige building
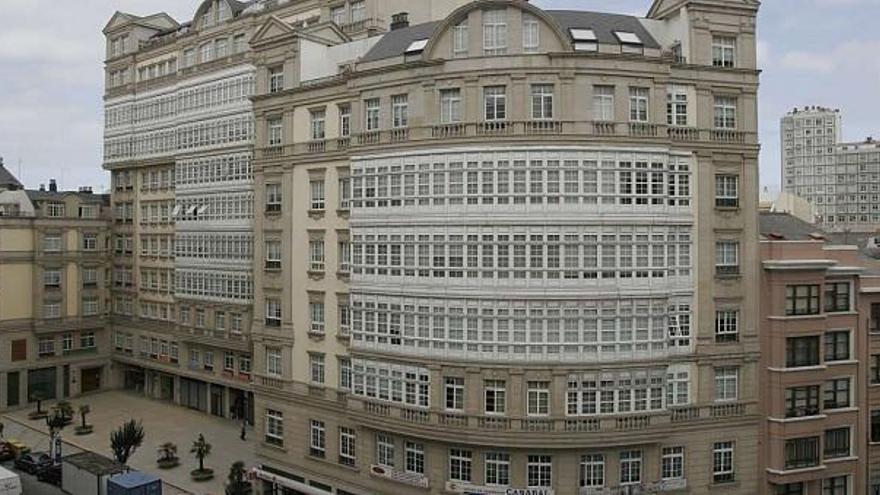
[
  {"x": 54, "y": 292},
  {"x": 508, "y": 249}
]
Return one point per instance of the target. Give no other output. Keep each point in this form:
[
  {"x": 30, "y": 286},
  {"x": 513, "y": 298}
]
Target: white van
[{"x": 10, "y": 483}]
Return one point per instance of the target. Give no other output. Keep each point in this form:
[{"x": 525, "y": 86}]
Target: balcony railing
[{"x": 510, "y": 128}]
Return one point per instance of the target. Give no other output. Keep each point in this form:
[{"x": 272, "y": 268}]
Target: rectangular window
[
  {"x": 51, "y": 278},
  {"x": 726, "y": 191},
  {"x": 724, "y": 51},
  {"x": 837, "y": 296},
  {"x": 337, "y": 15},
  {"x": 495, "y": 396},
  {"x": 726, "y": 383},
  {"x": 722, "y": 462},
  {"x": 460, "y": 464},
  {"x": 677, "y": 106},
  {"x": 495, "y": 98},
  {"x": 316, "y": 367},
  {"x": 45, "y": 346},
  {"x": 672, "y": 463},
  {"x": 384, "y": 450},
  {"x": 460, "y": 39},
  {"x": 275, "y": 131},
  {"x": 371, "y": 114},
  {"x": 274, "y": 427},
  {"x": 273, "y": 361},
  {"x": 726, "y": 325},
  {"x": 316, "y": 255},
  {"x": 727, "y": 258},
  {"x": 450, "y": 105},
  {"x": 592, "y": 470},
  {"x": 454, "y": 393},
  {"x": 875, "y": 369},
  {"x": 531, "y": 33},
  {"x": 630, "y": 467},
  {"x": 542, "y": 101},
  {"x": 318, "y": 121},
  {"x": 725, "y": 112},
  {"x": 317, "y": 438},
  {"x": 52, "y": 243},
  {"x": 317, "y": 194},
  {"x": 801, "y": 452},
  {"x": 358, "y": 11},
  {"x": 497, "y": 469},
  {"x": 801, "y": 300},
  {"x": 638, "y": 104},
  {"x": 316, "y": 315},
  {"x": 495, "y": 32},
  {"x": 801, "y": 401},
  {"x": 273, "y": 255},
  {"x": 273, "y": 197},
  {"x": 837, "y": 346},
  {"x": 399, "y": 111},
  {"x": 273, "y": 312},
  {"x": 90, "y": 242},
  {"x": 414, "y": 457},
  {"x": 836, "y": 394},
  {"x": 347, "y": 446},
  {"x": 603, "y": 103},
  {"x": 276, "y": 79},
  {"x": 837, "y": 443},
  {"x": 801, "y": 351},
  {"x": 539, "y": 471},
  {"x": 345, "y": 120},
  {"x": 538, "y": 398},
  {"x": 837, "y": 485}
]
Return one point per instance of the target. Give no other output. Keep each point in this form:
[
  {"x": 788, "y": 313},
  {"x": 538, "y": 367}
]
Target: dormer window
[
  {"x": 495, "y": 32},
  {"x": 629, "y": 42},
  {"x": 117, "y": 45},
  {"x": 584, "y": 40},
  {"x": 358, "y": 11},
  {"x": 416, "y": 47},
  {"x": 531, "y": 34},
  {"x": 460, "y": 39}
]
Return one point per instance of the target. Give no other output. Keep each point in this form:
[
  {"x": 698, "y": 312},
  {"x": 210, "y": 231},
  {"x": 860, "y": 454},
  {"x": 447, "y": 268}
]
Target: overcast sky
[{"x": 812, "y": 52}]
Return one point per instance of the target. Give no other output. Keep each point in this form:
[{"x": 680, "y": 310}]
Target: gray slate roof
[
  {"x": 7, "y": 180},
  {"x": 395, "y": 42},
  {"x": 783, "y": 226},
  {"x": 36, "y": 195},
  {"x": 603, "y": 25}
]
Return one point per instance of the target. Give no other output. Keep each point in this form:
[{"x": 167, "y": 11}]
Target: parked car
[
  {"x": 33, "y": 462},
  {"x": 50, "y": 473},
  {"x": 18, "y": 446}
]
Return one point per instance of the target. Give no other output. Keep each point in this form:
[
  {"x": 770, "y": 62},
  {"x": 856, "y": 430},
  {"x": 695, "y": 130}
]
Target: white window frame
[
  {"x": 316, "y": 189},
  {"x": 542, "y": 101},
  {"x": 727, "y": 325},
  {"x": 385, "y": 450},
  {"x": 639, "y": 104},
  {"x": 450, "y": 106},
  {"x": 672, "y": 463},
  {"x": 727, "y": 257},
  {"x": 275, "y": 427},
  {"x": 276, "y": 78},
  {"x": 460, "y": 39},
  {"x": 603, "y": 103},
  {"x": 723, "y": 469},
  {"x": 531, "y": 31},
  {"x": 495, "y": 32},
  {"x": 538, "y": 398},
  {"x": 399, "y": 111},
  {"x": 726, "y": 190},
  {"x": 372, "y": 114},
  {"x": 460, "y": 465},
  {"x": 274, "y": 362},
  {"x": 453, "y": 388},
  {"x": 495, "y": 103},
  {"x": 318, "y": 122},
  {"x": 316, "y": 317},
  {"x": 677, "y": 106},
  {"x": 631, "y": 465},
  {"x": 539, "y": 471},
  {"x": 726, "y": 383},
  {"x": 497, "y": 391},
  {"x": 497, "y": 468},
  {"x": 724, "y": 51},
  {"x": 347, "y": 446},
  {"x": 725, "y": 112},
  {"x": 317, "y": 368},
  {"x": 592, "y": 470},
  {"x": 317, "y": 438},
  {"x": 316, "y": 255}
]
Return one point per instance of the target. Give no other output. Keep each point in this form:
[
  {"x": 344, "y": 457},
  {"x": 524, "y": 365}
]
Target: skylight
[
  {"x": 416, "y": 46},
  {"x": 628, "y": 38},
  {"x": 579, "y": 34}
]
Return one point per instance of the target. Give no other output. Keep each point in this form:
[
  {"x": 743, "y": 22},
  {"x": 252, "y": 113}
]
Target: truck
[
  {"x": 10, "y": 483},
  {"x": 134, "y": 483}
]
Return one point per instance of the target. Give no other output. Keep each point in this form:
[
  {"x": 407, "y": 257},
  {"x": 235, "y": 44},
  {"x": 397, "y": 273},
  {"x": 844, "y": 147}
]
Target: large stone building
[
  {"x": 840, "y": 180},
  {"x": 508, "y": 248},
  {"x": 54, "y": 292}
]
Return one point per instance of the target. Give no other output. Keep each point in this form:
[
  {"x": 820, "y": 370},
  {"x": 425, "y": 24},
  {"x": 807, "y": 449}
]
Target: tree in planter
[
  {"x": 168, "y": 456},
  {"x": 65, "y": 410},
  {"x": 201, "y": 448},
  {"x": 39, "y": 413},
  {"x": 126, "y": 439},
  {"x": 238, "y": 485},
  {"x": 84, "y": 428}
]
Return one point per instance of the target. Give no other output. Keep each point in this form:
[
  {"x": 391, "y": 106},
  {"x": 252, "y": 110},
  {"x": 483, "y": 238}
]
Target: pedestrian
[
  {"x": 2, "y": 426},
  {"x": 243, "y": 429}
]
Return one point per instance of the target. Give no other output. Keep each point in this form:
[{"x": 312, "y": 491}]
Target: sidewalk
[{"x": 162, "y": 423}]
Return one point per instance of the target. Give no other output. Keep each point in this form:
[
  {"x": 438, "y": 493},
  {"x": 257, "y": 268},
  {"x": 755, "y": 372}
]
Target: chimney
[
  {"x": 53, "y": 186},
  {"x": 399, "y": 20},
  {"x": 42, "y": 187}
]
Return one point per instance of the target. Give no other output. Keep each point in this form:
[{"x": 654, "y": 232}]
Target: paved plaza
[{"x": 162, "y": 422}]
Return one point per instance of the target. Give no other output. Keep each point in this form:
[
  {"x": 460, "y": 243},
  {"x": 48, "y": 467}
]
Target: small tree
[
  {"x": 201, "y": 448},
  {"x": 83, "y": 411},
  {"x": 65, "y": 409},
  {"x": 55, "y": 422},
  {"x": 167, "y": 451},
  {"x": 126, "y": 440}
]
